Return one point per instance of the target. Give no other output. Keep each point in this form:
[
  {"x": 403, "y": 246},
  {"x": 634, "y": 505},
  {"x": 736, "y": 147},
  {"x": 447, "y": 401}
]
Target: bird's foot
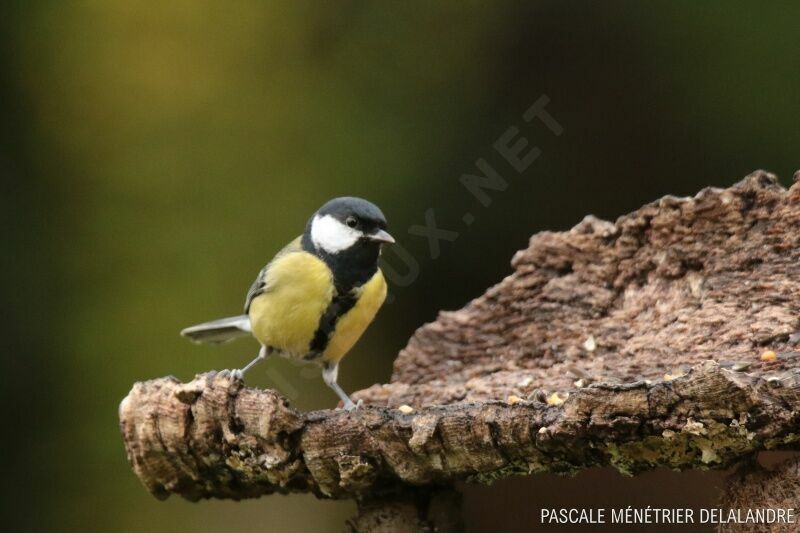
[
  {"x": 350, "y": 406},
  {"x": 235, "y": 374}
]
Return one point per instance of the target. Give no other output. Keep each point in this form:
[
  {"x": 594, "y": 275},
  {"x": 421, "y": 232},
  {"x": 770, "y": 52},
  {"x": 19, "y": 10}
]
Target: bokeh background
[{"x": 156, "y": 154}]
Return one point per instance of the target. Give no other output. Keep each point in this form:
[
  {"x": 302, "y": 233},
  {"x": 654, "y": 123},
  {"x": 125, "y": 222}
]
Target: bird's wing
[{"x": 261, "y": 284}]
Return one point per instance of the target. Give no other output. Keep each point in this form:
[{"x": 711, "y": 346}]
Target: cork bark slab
[
  {"x": 637, "y": 344},
  {"x": 678, "y": 282}
]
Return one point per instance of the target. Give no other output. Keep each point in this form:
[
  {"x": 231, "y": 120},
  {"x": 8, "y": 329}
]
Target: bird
[{"x": 317, "y": 296}]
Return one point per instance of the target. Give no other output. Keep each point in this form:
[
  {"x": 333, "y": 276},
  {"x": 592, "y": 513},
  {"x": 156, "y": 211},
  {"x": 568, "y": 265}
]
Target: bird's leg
[
  {"x": 330, "y": 371},
  {"x": 262, "y": 354}
]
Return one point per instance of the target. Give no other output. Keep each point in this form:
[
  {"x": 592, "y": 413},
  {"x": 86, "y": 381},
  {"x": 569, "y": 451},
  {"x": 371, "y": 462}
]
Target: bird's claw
[{"x": 237, "y": 374}]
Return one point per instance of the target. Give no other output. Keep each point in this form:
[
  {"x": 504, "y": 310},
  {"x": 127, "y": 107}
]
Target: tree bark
[
  {"x": 409, "y": 511},
  {"x": 668, "y": 338},
  {"x": 753, "y": 487}
]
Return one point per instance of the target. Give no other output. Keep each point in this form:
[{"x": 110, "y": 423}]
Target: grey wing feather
[
  {"x": 261, "y": 284},
  {"x": 256, "y": 288}
]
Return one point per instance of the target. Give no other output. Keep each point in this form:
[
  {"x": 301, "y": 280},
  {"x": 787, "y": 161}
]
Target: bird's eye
[{"x": 351, "y": 222}]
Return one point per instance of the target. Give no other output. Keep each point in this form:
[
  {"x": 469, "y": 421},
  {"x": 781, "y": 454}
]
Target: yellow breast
[
  {"x": 299, "y": 289},
  {"x": 350, "y": 327}
]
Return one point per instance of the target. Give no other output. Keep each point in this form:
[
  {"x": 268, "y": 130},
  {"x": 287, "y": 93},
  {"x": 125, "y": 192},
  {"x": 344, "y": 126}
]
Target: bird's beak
[{"x": 381, "y": 236}]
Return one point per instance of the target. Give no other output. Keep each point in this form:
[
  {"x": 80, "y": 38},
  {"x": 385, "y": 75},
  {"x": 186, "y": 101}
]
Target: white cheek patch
[{"x": 331, "y": 235}]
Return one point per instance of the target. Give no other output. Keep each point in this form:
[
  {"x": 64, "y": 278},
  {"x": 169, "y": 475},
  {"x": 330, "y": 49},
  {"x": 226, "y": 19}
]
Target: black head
[
  {"x": 347, "y": 233},
  {"x": 357, "y": 214}
]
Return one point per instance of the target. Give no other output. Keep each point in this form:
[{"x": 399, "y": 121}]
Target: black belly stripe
[
  {"x": 338, "y": 307},
  {"x": 351, "y": 268}
]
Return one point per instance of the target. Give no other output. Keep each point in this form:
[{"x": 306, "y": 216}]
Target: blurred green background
[{"x": 156, "y": 154}]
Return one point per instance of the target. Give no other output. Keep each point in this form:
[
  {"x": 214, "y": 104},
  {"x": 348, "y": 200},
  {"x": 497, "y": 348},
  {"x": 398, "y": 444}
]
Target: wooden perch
[{"x": 635, "y": 344}]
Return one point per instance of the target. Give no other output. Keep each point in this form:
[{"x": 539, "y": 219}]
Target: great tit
[{"x": 317, "y": 295}]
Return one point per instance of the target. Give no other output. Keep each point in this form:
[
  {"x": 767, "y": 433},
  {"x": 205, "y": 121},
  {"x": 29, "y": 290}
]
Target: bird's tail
[{"x": 219, "y": 331}]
